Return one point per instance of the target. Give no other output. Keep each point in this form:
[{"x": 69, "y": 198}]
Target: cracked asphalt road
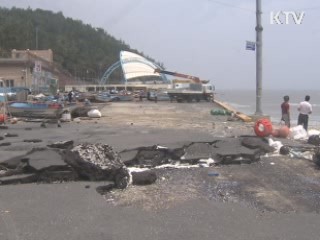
[{"x": 275, "y": 198}]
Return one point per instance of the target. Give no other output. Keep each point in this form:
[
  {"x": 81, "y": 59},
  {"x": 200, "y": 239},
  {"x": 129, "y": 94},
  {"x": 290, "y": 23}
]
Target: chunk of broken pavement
[
  {"x": 61, "y": 144},
  {"x": 10, "y": 135},
  {"x": 97, "y": 162},
  {"x": 256, "y": 142}
]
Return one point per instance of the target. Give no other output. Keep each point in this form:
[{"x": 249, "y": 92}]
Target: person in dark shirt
[
  {"x": 285, "y": 110},
  {"x": 70, "y": 95}
]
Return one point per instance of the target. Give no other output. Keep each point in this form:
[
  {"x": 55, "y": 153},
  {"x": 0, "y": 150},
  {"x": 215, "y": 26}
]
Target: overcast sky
[{"x": 206, "y": 38}]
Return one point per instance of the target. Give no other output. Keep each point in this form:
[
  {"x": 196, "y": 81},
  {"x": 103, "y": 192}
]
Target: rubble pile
[
  {"x": 97, "y": 162},
  {"x": 62, "y": 161}
]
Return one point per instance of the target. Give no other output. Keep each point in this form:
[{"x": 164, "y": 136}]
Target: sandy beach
[{"x": 274, "y": 198}]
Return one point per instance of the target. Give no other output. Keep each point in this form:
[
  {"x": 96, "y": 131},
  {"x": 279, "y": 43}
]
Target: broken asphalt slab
[
  {"x": 99, "y": 162},
  {"x": 222, "y": 150}
]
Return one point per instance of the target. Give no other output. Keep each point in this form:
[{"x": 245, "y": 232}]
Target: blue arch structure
[
  {"x": 116, "y": 65},
  {"x": 109, "y": 71}
]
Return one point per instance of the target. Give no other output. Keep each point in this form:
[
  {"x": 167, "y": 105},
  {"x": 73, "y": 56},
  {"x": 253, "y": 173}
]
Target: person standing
[
  {"x": 285, "y": 110},
  {"x": 305, "y": 109},
  {"x": 70, "y": 96}
]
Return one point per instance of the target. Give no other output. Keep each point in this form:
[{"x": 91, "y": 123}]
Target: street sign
[{"x": 251, "y": 46}]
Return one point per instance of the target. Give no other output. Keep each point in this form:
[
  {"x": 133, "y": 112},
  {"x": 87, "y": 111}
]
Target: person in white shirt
[{"x": 304, "y": 109}]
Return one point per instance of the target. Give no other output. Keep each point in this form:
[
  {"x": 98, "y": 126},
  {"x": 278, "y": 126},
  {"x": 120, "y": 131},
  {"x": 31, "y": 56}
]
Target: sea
[{"x": 245, "y": 101}]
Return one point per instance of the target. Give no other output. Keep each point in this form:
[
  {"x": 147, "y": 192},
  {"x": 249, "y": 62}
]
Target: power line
[{"x": 233, "y": 6}]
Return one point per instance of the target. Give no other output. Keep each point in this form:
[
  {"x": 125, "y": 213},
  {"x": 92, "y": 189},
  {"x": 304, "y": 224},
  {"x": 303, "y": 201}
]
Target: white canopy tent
[{"x": 134, "y": 65}]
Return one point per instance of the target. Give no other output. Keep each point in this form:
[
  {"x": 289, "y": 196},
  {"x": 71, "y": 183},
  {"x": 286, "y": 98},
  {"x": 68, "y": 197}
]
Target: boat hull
[{"x": 35, "y": 110}]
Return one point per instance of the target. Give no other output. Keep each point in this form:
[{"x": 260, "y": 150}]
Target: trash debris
[
  {"x": 66, "y": 116},
  {"x": 213, "y": 174},
  {"x": 206, "y": 162},
  {"x": 302, "y": 155},
  {"x": 298, "y": 133},
  {"x": 275, "y": 144},
  {"x": 314, "y": 140},
  {"x": 77, "y": 120},
  {"x": 313, "y": 132},
  {"x": 220, "y": 112},
  {"x": 94, "y": 113},
  {"x": 13, "y": 120}
]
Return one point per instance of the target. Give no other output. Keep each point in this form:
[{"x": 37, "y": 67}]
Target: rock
[
  {"x": 143, "y": 178},
  {"x": 97, "y": 162},
  {"x": 61, "y": 144}
]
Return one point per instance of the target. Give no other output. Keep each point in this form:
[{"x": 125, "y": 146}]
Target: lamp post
[{"x": 259, "y": 30}]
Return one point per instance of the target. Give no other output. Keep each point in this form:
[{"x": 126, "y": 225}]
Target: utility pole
[
  {"x": 259, "y": 30},
  {"x": 37, "y": 38}
]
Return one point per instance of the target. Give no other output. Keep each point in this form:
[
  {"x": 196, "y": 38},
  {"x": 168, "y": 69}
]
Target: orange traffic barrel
[
  {"x": 3, "y": 118},
  {"x": 263, "y": 127}
]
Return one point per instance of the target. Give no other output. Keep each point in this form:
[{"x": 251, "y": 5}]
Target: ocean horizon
[{"x": 245, "y": 101}]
